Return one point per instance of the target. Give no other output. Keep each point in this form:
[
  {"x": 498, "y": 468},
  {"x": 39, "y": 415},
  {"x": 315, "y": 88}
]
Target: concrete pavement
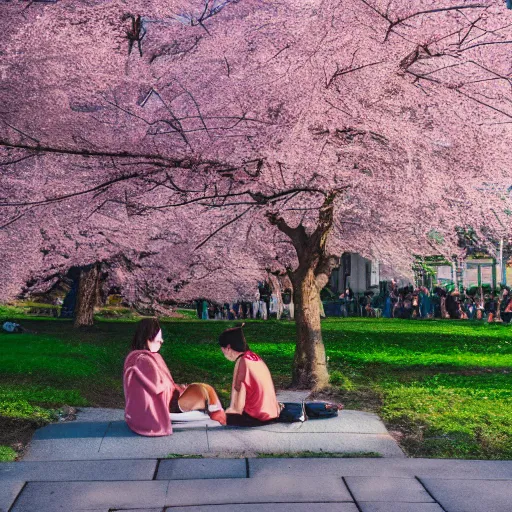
[
  {"x": 103, "y": 434},
  {"x": 97, "y": 464},
  {"x": 282, "y": 485}
]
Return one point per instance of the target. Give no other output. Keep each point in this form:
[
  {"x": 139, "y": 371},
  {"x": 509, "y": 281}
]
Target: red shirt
[
  {"x": 260, "y": 400},
  {"x": 148, "y": 388}
]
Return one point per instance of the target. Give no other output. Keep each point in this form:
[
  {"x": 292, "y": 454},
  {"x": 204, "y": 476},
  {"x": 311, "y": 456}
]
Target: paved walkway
[
  {"x": 247, "y": 485},
  {"x": 103, "y": 434},
  {"x": 97, "y": 464}
]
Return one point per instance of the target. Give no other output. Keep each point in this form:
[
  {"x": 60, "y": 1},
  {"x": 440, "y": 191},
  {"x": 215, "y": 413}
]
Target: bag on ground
[
  {"x": 317, "y": 410},
  {"x": 292, "y": 412}
]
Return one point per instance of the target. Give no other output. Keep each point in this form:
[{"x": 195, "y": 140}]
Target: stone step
[
  {"x": 222, "y": 468},
  {"x": 218, "y": 485},
  {"x": 71, "y": 496},
  {"x": 97, "y": 438},
  {"x": 79, "y": 470}
]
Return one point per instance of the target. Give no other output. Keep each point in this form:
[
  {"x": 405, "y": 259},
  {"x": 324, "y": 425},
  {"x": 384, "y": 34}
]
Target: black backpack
[
  {"x": 317, "y": 410},
  {"x": 293, "y": 412}
]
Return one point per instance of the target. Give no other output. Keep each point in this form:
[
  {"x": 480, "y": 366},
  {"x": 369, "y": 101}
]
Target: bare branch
[
  {"x": 63, "y": 197},
  {"x": 457, "y": 89},
  {"x": 154, "y": 159},
  {"x": 225, "y": 225},
  {"x": 341, "y": 72},
  {"x": 394, "y": 23},
  {"x": 483, "y": 44},
  {"x": 20, "y": 132}
]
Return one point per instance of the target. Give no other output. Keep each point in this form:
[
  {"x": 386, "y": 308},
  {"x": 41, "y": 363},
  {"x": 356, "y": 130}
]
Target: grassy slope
[{"x": 444, "y": 387}]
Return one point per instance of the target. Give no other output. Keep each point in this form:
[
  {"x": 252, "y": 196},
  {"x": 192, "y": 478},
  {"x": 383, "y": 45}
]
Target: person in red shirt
[
  {"x": 149, "y": 387},
  {"x": 253, "y": 396}
]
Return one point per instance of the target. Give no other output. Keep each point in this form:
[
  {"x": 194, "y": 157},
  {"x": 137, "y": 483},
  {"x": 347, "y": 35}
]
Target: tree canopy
[{"x": 192, "y": 135}]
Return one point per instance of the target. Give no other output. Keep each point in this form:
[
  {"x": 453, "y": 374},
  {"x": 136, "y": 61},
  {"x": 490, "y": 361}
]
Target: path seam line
[
  {"x": 157, "y": 466},
  {"x": 429, "y": 493},
  {"x": 17, "y": 496},
  {"x": 351, "y": 494},
  {"x": 104, "y": 434}
]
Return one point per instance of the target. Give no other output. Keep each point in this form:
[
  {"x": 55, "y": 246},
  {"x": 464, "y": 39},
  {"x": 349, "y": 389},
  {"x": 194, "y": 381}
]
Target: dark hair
[
  {"x": 147, "y": 329},
  {"x": 235, "y": 338}
]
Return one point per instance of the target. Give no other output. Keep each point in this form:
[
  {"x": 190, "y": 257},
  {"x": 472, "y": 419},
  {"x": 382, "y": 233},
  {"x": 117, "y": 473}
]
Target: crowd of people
[
  {"x": 265, "y": 305},
  {"x": 409, "y": 302},
  {"x": 476, "y": 303}
]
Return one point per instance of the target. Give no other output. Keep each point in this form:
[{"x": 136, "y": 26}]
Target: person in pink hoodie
[{"x": 149, "y": 386}]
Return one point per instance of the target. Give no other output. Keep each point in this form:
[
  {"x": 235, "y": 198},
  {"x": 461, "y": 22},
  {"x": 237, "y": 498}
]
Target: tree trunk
[
  {"x": 312, "y": 274},
  {"x": 87, "y": 296},
  {"x": 310, "y": 365}
]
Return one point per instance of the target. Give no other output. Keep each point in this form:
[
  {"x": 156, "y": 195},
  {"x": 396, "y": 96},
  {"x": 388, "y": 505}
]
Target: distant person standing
[
  {"x": 507, "y": 306},
  {"x": 256, "y": 305},
  {"x": 388, "y": 307},
  {"x": 204, "y": 313},
  {"x": 343, "y": 306},
  {"x": 425, "y": 303}
]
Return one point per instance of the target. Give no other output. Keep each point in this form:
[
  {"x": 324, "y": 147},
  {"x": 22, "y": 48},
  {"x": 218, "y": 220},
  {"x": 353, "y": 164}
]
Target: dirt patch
[
  {"x": 17, "y": 433},
  {"x": 102, "y": 396}
]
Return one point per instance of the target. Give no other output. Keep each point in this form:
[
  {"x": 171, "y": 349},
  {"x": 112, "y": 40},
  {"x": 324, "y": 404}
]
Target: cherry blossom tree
[{"x": 269, "y": 135}]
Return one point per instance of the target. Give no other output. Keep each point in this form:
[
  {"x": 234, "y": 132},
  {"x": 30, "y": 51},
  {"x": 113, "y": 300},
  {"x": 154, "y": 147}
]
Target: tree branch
[
  {"x": 73, "y": 194},
  {"x": 324, "y": 269},
  {"x": 184, "y": 163},
  {"x": 297, "y": 235},
  {"x": 225, "y": 225},
  {"x": 341, "y": 72}
]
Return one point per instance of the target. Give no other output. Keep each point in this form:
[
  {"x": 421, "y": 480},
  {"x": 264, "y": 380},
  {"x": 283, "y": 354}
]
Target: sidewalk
[
  {"x": 246, "y": 485},
  {"x": 97, "y": 464},
  {"x": 103, "y": 434}
]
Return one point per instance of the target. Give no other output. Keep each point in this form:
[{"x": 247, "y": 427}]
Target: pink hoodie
[{"x": 148, "y": 388}]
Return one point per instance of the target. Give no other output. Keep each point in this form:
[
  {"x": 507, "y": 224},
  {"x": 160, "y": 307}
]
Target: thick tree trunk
[
  {"x": 310, "y": 365},
  {"x": 87, "y": 296},
  {"x": 312, "y": 274}
]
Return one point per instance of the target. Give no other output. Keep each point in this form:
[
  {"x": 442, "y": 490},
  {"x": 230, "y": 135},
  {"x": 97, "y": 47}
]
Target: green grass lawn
[{"x": 444, "y": 388}]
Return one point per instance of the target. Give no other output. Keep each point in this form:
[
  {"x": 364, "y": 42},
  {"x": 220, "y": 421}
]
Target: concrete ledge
[
  {"x": 386, "y": 467},
  {"x": 471, "y": 495},
  {"x": 83, "y": 470},
  {"x": 194, "y": 469},
  {"x": 393, "y": 490},
  {"x": 92, "y": 439},
  {"x": 66, "y": 441},
  {"x": 261, "y": 441},
  {"x": 272, "y": 507}
]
